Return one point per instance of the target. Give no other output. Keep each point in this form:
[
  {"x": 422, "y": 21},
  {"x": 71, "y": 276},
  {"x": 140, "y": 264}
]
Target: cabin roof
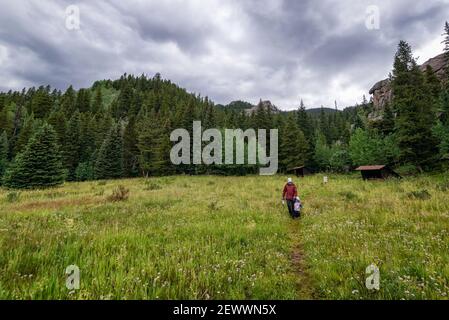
[
  {"x": 371, "y": 168},
  {"x": 297, "y": 168}
]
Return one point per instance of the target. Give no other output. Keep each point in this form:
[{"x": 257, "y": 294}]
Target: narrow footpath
[{"x": 303, "y": 284}]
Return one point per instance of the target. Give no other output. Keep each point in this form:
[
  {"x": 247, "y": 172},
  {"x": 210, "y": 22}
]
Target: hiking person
[{"x": 290, "y": 194}]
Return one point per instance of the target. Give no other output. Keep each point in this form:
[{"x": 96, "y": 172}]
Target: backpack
[{"x": 297, "y": 206}]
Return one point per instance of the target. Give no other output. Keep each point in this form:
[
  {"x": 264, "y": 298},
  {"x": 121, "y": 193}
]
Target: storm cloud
[{"x": 319, "y": 51}]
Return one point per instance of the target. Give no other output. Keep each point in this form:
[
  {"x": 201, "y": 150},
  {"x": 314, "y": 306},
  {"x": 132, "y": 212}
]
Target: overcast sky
[{"x": 317, "y": 50}]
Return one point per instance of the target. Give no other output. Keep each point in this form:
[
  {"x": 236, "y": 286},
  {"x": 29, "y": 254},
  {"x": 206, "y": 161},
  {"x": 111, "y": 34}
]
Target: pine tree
[
  {"x": 83, "y": 100},
  {"x": 413, "y": 104},
  {"x": 386, "y": 125},
  {"x": 58, "y": 121},
  {"x": 87, "y": 137},
  {"x": 68, "y": 103},
  {"x": 306, "y": 126},
  {"x": 25, "y": 133},
  {"x": 109, "y": 162},
  {"x": 98, "y": 101},
  {"x": 208, "y": 116},
  {"x": 323, "y": 125},
  {"x": 441, "y": 129},
  {"x": 41, "y": 104},
  {"x": 6, "y": 121},
  {"x": 444, "y": 100},
  {"x": 2, "y": 102},
  {"x": 263, "y": 116},
  {"x": 359, "y": 122},
  {"x": 154, "y": 146},
  {"x": 446, "y": 52},
  {"x": 130, "y": 149},
  {"x": 149, "y": 144},
  {"x": 124, "y": 102},
  {"x": 304, "y": 122},
  {"x": 433, "y": 84},
  {"x": 162, "y": 164},
  {"x": 103, "y": 123},
  {"x": 39, "y": 166},
  {"x": 72, "y": 149},
  {"x": 294, "y": 148},
  {"x": 3, "y": 154}
]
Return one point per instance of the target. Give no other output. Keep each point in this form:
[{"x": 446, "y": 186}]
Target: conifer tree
[
  {"x": 42, "y": 103},
  {"x": 444, "y": 100},
  {"x": 68, "y": 103},
  {"x": 262, "y": 116},
  {"x": 446, "y": 52},
  {"x": 3, "y": 154},
  {"x": 83, "y": 100},
  {"x": 87, "y": 137},
  {"x": 98, "y": 101},
  {"x": 323, "y": 125},
  {"x": 415, "y": 115},
  {"x": 39, "y": 166},
  {"x": 162, "y": 164},
  {"x": 209, "y": 116},
  {"x": 6, "y": 122},
  {"x": 386, "y": 124},
  {"x": 58, "y": 121},
  {"x": 2, "y": 102},
  {"x": 109, "y": 162},
  {"x": 441, "y": 129},
  {"x": 433, "y": 84},
  {"x": 130, "y": 149},
  {"x": 304, "y": 122},
  {"x": 25, "y": 133},
  {"x": 103, "y": 123},
  {"x": 294, "y": 148},
  {"x": 124, "y": 102},
  {"x": 72, "y": 149},
  {"x": 150, "y": 145}
]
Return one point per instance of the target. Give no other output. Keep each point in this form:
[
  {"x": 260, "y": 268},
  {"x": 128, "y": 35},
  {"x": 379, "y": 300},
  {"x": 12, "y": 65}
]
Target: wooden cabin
[
  {"x": 380, "y": 172},
  {"x": 301, "y": 171}
]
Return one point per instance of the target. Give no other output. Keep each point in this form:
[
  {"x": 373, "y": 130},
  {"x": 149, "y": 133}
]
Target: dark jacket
[{"x": 290, "y": 192}]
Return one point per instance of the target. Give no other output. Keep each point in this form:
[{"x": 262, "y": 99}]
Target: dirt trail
[{"x": 303, "y": 285}]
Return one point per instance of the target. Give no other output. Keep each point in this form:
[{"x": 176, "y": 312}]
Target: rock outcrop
[
  {"x": 267, "y": 105},
  {"x": 382, "y": 93}
]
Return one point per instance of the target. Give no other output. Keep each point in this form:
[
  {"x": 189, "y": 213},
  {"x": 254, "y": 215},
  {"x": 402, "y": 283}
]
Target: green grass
[{"x": 227, "y": 238}]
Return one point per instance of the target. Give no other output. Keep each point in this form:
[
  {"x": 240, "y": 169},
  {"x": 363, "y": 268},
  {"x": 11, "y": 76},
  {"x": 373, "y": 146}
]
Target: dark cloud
[{"x": 320, "y": 51}]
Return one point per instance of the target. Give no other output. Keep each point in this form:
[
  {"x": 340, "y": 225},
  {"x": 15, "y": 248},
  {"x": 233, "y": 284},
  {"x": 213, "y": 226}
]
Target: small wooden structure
[
  {"x": 301, "y": 171},
  {"x": 380, "y": 172}
]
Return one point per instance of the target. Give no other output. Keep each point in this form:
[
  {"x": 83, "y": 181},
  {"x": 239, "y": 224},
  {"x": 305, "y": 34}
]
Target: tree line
[{"x": 121, "y": 128}]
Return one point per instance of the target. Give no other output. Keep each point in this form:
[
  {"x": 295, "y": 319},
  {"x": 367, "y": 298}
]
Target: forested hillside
[{"x": 121, "y": 128}]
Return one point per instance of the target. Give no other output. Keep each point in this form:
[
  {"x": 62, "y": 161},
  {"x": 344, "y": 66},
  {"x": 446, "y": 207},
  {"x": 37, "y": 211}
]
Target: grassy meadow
[{"x": 227, "y": 238}]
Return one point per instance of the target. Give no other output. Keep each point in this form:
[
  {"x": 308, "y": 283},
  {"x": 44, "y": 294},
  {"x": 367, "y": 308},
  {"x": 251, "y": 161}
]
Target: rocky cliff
[
  {"x": 382, "y": 93},
  {"x": 267, "y": 105}
]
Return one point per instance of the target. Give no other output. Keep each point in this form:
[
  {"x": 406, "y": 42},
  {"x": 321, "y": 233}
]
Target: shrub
[
  {"x": 119, "y": 194},
  {"x": 84, "y": 172}
]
